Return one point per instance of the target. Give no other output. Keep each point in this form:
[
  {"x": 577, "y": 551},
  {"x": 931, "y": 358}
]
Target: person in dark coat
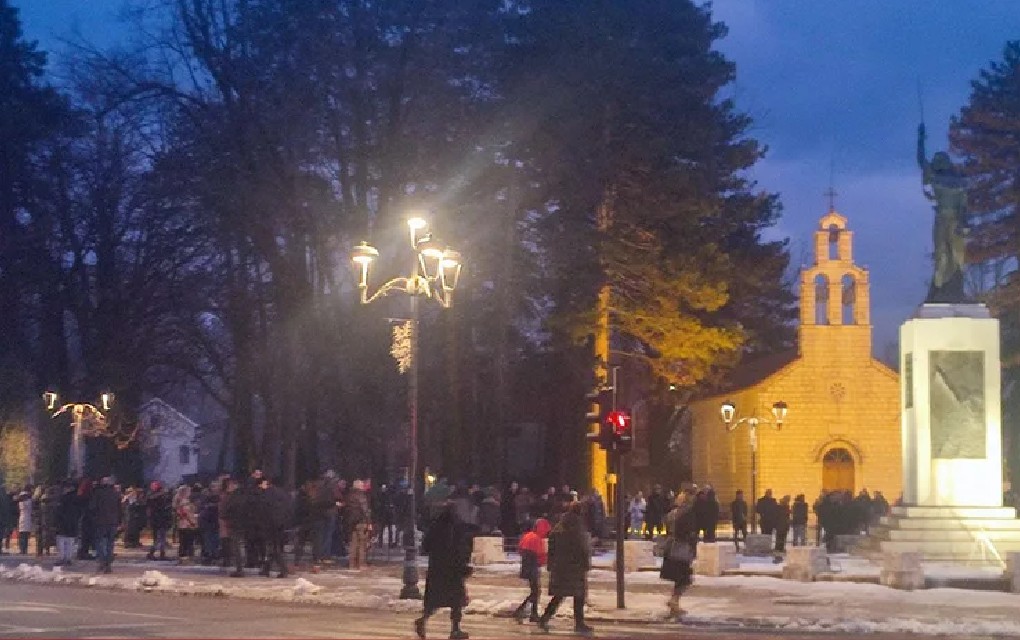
[
  {"x": 448, "y": 545},
  {"x": 782, "y": 526},
  {"x": 655, "y": 510},
  {"x": 738, "y": 516},
  {"x": 279, "y": 514},
  {"x": 766, "y": 510},
  {"x": 569, "y": 564},
  {"x": 680, "y": 549},
  {"x": 245, "y": 513},
  {"x": 508, "y": 512},
  {"x": 798, "y": 520},
  {"x": 104, "y": 507},
  {"x": 159, "y": 506},
  {"x": 67, "y": 516}
]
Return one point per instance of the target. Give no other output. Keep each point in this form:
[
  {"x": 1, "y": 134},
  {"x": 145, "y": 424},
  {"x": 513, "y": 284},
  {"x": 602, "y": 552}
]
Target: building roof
[{"x": 757, "y": 370}]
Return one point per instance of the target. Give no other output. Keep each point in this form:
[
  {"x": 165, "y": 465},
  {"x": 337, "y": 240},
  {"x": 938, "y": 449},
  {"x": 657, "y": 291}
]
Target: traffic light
[
  {"x": 619, "y": 423},
  {"x": 601, "y": 401}
]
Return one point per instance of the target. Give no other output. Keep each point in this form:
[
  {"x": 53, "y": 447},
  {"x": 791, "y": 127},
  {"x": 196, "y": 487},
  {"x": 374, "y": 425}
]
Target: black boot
[
  {"x": 419, "y": 628},
  {"x": 457, "y": 634}
]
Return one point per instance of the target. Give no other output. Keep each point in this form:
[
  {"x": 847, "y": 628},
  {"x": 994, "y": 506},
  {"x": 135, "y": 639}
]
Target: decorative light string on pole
[{"x": 434, "y": 274}]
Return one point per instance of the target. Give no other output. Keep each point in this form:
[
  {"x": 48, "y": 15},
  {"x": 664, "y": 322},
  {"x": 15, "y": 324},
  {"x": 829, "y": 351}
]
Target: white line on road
[{"x": 112, "y": 611}]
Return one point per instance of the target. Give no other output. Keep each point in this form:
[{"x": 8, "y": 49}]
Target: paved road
[{"x": 45, "y": 611}]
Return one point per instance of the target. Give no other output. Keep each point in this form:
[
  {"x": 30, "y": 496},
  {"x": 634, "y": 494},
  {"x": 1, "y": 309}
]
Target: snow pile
[
  {"x": 35, "y": 573},
  {"x": 303, "y": 587},
  {"x": 155, "y": 580}
]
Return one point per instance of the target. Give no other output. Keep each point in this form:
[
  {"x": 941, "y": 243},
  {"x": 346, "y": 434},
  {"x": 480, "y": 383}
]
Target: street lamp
[
  {"x": 86, "y": 420},
  {"x": 729, "y": 411},
  {"x": 434, "y": 274}
]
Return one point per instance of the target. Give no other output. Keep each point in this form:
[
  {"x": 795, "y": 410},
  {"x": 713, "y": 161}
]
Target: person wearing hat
[{"x": 680, "y": 548}]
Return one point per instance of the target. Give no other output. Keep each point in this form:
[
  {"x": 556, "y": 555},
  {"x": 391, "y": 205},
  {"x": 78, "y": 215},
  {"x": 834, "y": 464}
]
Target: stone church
[{"x": 842, "y": 429}]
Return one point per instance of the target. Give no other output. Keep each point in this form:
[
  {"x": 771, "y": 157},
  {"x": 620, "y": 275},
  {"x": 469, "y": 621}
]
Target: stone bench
[
  {"x": 805, "y": 563},
  {"x": 487, "y": 550},
  {"x": 758, "y": 544},
  {"x": 714, "y": 558},
  {"x": 902, "y": 570}
]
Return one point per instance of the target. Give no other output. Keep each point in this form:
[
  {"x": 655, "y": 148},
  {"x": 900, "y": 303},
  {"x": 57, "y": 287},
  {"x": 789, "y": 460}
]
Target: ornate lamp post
[
  {"x": 729, "y": 411},
  {"x": 86, "y": 420},
  {"x": 434, "y": 274}
]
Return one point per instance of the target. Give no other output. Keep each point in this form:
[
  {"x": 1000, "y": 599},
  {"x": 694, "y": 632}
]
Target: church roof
[{"x": 753, "y": 372}]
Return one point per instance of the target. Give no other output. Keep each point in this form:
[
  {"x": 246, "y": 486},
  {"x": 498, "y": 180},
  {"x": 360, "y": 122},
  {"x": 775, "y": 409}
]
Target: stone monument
[{"x": 950, "y": 408}]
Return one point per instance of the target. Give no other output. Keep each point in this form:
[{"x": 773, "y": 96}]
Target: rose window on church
[{"x": 838, "y": 391}]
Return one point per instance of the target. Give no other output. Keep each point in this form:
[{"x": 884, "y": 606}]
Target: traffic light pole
[{"x": 621, "y": 533}]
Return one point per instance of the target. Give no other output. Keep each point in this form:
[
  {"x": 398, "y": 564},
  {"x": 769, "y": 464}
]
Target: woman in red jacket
[{"x": 533, "y": 558}]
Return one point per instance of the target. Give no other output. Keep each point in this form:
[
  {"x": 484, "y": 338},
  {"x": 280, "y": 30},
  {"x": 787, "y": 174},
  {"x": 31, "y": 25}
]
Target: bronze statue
[{"x": 945, "y": 186}]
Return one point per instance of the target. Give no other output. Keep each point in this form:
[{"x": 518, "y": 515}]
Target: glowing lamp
[
  {"x": 50, "y": 398},
  {"x": 107, "y": 400},
  {"x": 728, "y": 410},
  {"x": 779, "y": 412}
]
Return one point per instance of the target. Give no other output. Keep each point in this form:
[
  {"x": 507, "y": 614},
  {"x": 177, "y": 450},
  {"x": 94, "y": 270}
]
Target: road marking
[
  {"x": 27, "y": 609},
  {"x": 98, "y": 609}
]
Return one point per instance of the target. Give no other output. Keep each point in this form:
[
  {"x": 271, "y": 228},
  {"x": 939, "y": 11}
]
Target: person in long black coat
[
  {"x": 569, "y": 564},
  {"x": 448, "y": 545},
  {"x": 682, "y": 532}
]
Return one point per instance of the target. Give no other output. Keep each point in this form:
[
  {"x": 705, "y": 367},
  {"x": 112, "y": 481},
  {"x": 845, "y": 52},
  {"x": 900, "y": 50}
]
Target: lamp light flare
[
  {"x": 364, "y": 254},
  {"x": 728, "y": 409},
  {"x": 51, "y": 400},
  {"x": 416, "y": 223}
]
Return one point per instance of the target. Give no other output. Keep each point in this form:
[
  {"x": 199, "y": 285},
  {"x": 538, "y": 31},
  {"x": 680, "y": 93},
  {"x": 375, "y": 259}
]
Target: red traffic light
[{"x": 620, "y": 421}]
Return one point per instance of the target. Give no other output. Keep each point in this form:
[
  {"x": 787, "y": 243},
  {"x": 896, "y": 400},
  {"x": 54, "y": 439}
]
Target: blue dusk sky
[{"x": 833, "y": 89}]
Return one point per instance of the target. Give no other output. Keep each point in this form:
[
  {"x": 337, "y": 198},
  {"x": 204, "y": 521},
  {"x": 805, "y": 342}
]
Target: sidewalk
[{"x": 734, "y": 602}]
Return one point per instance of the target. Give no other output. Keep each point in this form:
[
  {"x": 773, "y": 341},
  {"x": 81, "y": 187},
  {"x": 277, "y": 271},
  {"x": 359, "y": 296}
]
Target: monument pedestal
[{"x": 952, "y": 443}]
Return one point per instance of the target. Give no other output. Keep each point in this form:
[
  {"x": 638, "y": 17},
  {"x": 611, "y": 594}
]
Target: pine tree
[{"x": 986, "y": 135}]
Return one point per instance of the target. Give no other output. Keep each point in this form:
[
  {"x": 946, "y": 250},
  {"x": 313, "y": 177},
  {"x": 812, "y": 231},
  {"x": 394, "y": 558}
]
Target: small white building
[{"x": 168, "y": 441}]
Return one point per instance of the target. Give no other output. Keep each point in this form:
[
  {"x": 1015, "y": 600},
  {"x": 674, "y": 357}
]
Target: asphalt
[{"x": 44, "y": 611}]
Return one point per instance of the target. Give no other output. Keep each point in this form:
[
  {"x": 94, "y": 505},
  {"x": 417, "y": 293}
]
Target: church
[{"x": 842, "y": 427}]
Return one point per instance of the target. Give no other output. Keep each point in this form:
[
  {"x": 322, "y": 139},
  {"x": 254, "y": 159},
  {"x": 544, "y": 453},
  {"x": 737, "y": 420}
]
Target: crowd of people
[{"x": 836, "y": 513}]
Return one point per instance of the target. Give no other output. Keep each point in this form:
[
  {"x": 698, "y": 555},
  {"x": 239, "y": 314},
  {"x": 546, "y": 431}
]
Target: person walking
[
  {"x": 533, "y": 558},
  {"x": 680, "y": 548},
  {"x": 569, "y": 564},
  {"x": 636, "y": 513},
  {"x": 104, "y": 506},
  {"x": 448, "y": 545}
]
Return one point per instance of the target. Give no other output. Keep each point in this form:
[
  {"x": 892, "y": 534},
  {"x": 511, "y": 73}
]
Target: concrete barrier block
[
  {"x": 805, "y": 563},
  {"x": 638, "y": 554},
  {"x": 758, "y": 544},
  {"x": 714, "y": 558},
  {"x": 487, "y": 550},
  {"x": 1013, "y": 570},
  {"x": 902, "y": 570},
  {"x": 846, "y": 543}
]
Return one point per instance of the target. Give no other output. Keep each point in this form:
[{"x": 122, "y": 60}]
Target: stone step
[
  {"x": 948, "y": 523},
  {"x": 958, "y": 513},
  {"x": 960, "y": 549},
  {"x": 946, "y": 534}
]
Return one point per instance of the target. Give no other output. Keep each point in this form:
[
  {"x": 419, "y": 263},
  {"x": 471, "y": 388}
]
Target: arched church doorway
[{"x": 838, "y": 470}]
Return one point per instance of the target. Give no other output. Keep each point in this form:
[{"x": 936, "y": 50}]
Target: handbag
[{"x": 680, "y": 551}]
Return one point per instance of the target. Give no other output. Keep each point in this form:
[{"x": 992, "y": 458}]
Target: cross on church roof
[{"x": 831, "y": 194}]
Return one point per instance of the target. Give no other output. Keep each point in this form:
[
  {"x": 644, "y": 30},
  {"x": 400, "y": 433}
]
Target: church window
[
  {"x": 849, "y": 291},
  {"x": 821, "y": 299},
  {"x": 185, "y": 454},
  {"x": 838, "y": 391}
]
